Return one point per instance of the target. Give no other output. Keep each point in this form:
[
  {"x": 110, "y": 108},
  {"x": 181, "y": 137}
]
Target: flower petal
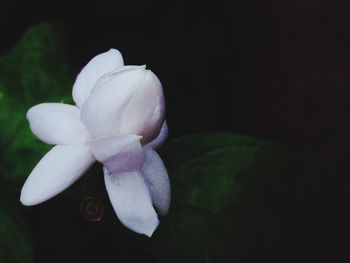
[
  {"x": 156, "y": 177},
  {"x": 159, "y": 140},
  {"x": 125, "y": 102},
  {"x": 131, "y": 201},
  {"x": 95, "y": 69},
  {"x": 57, "y": 123},
  {"x": 57, "y": 170},
  {"x": 119, "y": 154}
]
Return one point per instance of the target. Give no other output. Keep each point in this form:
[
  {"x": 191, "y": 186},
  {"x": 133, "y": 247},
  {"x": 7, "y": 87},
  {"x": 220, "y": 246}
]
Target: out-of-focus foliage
[
  {"x": 15, "y": 241},
  {"x": 235, "y": 199},
  {"x": 34, "y": 71}
]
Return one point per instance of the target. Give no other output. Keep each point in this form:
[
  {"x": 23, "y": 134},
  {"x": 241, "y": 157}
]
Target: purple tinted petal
[
  {"x": 157, "y": 142},
  {"x": 157, "y": 180},
  {"x": 131, "y": 201},
  {"x": 118, "y": 154}
]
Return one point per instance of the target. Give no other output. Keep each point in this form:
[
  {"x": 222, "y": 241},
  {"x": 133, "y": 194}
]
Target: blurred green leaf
[
  {"x": 34, "y": 71},
  {"x": 234, "y": 199}
]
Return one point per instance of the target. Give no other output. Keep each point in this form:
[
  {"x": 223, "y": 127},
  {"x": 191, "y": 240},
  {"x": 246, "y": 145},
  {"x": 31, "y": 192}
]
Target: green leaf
[
  {"x": 234, "y": 199},
  {"x": 34, "y": 71}
]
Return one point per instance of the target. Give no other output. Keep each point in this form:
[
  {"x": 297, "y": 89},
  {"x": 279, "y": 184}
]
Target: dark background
[{"x": 276, "y": 70}]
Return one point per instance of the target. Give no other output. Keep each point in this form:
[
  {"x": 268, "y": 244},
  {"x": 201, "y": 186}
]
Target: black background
[{"x": 276, "y": 70}]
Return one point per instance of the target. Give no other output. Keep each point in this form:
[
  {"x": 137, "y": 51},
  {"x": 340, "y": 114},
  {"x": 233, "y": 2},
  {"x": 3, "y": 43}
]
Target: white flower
[{"x": 119, "y": 121}]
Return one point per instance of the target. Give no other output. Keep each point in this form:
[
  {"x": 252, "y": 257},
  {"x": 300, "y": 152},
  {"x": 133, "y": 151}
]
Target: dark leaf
[
  {"x": 15, "y": 243},
  {"x": 234, "y": 199},
  {"x": 34, "y": 71}
]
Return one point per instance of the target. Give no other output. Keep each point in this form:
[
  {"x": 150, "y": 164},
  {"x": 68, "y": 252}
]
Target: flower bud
[{"x": 129, "y": 100}]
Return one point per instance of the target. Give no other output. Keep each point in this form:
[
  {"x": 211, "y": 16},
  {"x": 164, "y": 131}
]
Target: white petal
[
  {"x": 57, "y": 123},
  {"x": 57, "y": 170},
  {"x": 95, "y": 69},
  {"x": 157, "y": 180},
  {"x": 157, "y": 142},
  {"x": 119, "y": 154},
  {"x": 131, "y": 201},
  {"x": 129, "y": 101}
]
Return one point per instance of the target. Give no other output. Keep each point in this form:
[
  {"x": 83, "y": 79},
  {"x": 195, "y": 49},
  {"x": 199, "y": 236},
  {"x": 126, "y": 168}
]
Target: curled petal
[
  {"x": 57, "y": 170},
  {"x": 127, "y": 101},
  {"x": 131, "y": 201},
  {"x": 118, "y": 154},
  {"x": 95, "y": 69},
  {"x": 57, "y": 123},
  {"x": 159, "y": 140},
  {"x": 156, "y": 177}
]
